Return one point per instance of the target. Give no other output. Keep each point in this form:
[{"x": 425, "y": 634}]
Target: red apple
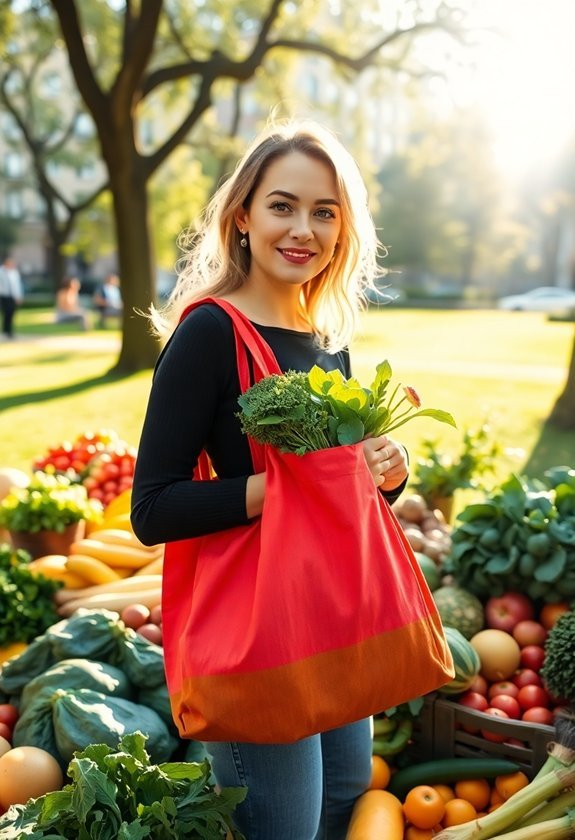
[
  {"x": 532, "y": 695},
  {"x": 526, "y": 676},
  {"x": 494, "y": 736},
  {"x": 539, "y": 714},
  {"x": 529, "y": 633},
  {"x": 532, "y": 656},
  {"x": 507, "y": 704},
  {"x": 505, "y": 611},
  {"x": 503, "y": 687}
]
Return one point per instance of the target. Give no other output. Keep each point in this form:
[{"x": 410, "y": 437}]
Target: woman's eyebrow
[{"x": 293, "y": 197}]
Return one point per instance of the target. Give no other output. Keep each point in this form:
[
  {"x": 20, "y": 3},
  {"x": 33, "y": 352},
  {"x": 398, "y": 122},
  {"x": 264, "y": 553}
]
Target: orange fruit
[
  {"x": 380, "y": 773},
  {"x": 495, "y": 798},
  {"x": 457, "y": 812},
  {"x": 476, "y": 791},
  {"x": 414, "y": 833},
  {"x": 423, "y": 806},
  {"x": 445, "y": 792},
  {"x": 510, "y": 783},
  {"x": 551, "y": 612}
]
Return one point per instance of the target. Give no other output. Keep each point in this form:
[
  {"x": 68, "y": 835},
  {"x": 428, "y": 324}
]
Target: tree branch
[
  {"x": 86, "y": 81},
  {"x": 138, "y": 43}
]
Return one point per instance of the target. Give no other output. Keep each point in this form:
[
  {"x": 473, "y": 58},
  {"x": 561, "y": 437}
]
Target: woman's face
[{"x": 293, "y": 221}]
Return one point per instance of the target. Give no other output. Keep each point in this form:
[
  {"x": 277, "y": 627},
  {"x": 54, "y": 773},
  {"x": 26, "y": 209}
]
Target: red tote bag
[{"x": 314, "y": 615}]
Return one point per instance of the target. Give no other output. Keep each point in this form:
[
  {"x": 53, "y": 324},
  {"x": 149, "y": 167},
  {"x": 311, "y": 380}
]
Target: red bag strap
[{"x": 249, "y": 345}]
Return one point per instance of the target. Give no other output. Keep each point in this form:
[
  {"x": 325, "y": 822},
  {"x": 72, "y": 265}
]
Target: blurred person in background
[{"x": 11, "y": 295}]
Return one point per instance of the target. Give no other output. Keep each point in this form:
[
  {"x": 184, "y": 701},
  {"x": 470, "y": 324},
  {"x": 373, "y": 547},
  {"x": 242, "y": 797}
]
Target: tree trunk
[
  {"x": 136, "y": 261},
  {"x": 563, "y": 412}
]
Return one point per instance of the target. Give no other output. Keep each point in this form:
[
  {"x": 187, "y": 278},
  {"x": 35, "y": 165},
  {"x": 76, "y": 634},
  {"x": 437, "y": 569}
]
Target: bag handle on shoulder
[{"x": 249, "y": 344}]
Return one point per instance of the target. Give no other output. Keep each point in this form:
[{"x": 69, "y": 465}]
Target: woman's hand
[{"x": 387, "y": 461}]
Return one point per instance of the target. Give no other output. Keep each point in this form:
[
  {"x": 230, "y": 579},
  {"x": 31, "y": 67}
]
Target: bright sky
[{"x": 524, "y": 80}]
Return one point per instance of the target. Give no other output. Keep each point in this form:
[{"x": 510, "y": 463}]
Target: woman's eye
[
  {"x": 281, "y": 206},
  {"x": 325, "y": 213}
]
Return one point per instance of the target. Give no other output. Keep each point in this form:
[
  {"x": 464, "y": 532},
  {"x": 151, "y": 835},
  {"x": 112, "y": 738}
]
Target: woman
[{"x": 287, "y": 240}]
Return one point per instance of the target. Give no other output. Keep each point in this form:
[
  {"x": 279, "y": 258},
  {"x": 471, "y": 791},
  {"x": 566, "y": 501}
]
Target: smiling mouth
[{"x": 296, "y": 256}]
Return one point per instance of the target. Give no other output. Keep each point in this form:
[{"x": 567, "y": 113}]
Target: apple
[
  {"x": 526, "y": 676},
  {"x": 532, "y": 695},
  {"x": 503, "y": 612},
  {"x": 529, "y": 632},
  {"x": 532, "y": 656},
  {"x": 507, "y": 704},
  {"x": 494, "y": 736},
  {"x": 539, "y": 714},
  {"x": 503, "y": 687}
]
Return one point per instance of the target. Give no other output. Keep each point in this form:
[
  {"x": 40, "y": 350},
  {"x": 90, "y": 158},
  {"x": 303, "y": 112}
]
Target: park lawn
[{"x": 505, "y": 369}]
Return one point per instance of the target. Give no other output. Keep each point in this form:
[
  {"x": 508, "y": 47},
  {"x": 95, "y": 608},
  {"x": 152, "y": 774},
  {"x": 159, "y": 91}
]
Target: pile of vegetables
[
  {"x": 425, "y": 529},
  {"x": 89, "y": 679},
  {"x": 27, "y": 607},
  {"x": 520, "y": 538},
  {"x": 558, "y": 669},
  {"x": 116, "y": 792},
  {"x": 47, "y": 503},
  {"x": 304, "y": 412}
]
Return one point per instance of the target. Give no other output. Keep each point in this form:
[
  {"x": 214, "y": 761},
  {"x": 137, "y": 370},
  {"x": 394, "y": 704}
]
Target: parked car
[{"x": 542, "y": 299}]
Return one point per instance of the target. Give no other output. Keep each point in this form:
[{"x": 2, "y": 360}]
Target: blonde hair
[{"x": 216, "y": 264}]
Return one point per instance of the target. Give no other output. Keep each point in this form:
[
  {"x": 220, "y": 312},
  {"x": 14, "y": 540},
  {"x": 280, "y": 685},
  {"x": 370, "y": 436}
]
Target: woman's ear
[{"x": 241, "y": 220}]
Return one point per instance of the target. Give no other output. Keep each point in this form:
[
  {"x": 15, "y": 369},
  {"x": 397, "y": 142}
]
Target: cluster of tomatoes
[
  {"x": 99, "y": 460},
  {"x": 516, "y": 693},
  {"x": 428, "y": 809}
]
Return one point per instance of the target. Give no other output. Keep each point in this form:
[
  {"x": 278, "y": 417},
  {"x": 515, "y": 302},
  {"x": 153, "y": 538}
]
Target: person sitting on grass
[
  {"x": 108, "y": 299},
  {"x": 68, "y": 309}
]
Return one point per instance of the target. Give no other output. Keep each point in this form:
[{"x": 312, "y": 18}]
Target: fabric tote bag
[{"x": 314, "y": 615}]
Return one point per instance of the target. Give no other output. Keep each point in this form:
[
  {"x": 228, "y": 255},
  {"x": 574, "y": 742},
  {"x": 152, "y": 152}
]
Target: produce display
[
  {"x": 82, "y": 673},
  {"x": 117, "y": 792}
]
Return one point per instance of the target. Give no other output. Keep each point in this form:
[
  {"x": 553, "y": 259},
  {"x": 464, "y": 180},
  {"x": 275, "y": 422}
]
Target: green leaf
[
  {"x": 552, "y": 569},
  {"x": 320, "y": 381},
  {"x": 350, "y": 432},
  {"x": 383, "y": 374}
]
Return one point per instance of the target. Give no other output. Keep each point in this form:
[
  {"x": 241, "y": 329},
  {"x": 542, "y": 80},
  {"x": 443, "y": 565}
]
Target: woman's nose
[{"x": 301, "y": 228}]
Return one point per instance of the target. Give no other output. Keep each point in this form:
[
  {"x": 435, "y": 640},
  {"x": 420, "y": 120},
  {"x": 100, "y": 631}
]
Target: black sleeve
[{"x": 186, "y": 395}]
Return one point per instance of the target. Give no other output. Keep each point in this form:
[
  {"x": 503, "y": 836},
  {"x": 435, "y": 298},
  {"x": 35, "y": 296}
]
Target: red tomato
[
  {"x": 110, "y": 486},
  {"x": 526, "y": 676},
  {"x": 5, "y": 732},
  {"x": 539, "y": 714},
  {"x": 474, "y": 700},
  {"x": 494, "y": 736},
  {"x": 532, "y": 656},
  {"x": 532, "y": 695},
  {"x": 529, "y": 632},
  {"x": 502, "y": 687},
  {"x": 507, "y": 704},
  {"x": 8, "y": 714},
  {"x": 111, "y": 471}
]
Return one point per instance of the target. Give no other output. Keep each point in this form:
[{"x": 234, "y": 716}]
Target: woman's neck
[{"x": 268, "y": 310}]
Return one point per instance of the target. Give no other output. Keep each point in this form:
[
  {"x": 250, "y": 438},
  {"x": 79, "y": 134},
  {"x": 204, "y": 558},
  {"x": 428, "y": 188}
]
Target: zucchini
[{"x": 446, "y": 770}]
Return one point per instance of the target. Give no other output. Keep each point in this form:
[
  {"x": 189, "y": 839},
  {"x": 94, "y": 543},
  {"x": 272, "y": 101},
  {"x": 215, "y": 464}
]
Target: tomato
[
  {"x": 526, "y": 676},
  {"x": 445, "y": 791},
  {"x": 532, "y": 695},
  {"x": 424, "y": 806},
  {"x": 6, "y": 732},
  {"x": 8, "y": 714},
  {"x": 507, "y": 704},
  {"x": 474, "y": 700},
  {"x": 111, "y": 471},
  {"x": 532, "y": 656},
  {"x": 479, "y": 684},
  {"x": 488, "y": 734},
  {"x": 502, "y": 687},
  {"x": 529, "y": 632},
  {"x": 539, "y": 714}
]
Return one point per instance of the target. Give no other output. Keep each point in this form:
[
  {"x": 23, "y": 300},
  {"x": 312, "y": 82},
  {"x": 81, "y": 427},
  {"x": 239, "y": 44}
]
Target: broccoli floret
[{"x": 558, "y": 670}]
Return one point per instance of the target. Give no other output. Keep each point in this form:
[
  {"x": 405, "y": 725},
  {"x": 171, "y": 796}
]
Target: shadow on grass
[
  {"x": 30, "y": 397},
  {"x": 554, "y": 448}
]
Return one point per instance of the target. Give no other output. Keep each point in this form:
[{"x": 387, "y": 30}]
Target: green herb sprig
[
  {"x": 27, "y": 605},
  {"x": 299, "y": 413}
]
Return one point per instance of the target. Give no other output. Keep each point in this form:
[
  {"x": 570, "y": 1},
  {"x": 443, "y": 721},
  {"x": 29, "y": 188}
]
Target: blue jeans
[{"x": 300, "y": 791}]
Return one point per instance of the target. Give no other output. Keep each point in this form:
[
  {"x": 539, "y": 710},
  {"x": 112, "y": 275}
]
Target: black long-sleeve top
[{"x": 192, "y": 406}]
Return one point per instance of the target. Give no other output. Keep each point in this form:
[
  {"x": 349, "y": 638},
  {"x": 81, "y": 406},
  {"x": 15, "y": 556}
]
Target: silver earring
[{"x": 243, "y": 240}]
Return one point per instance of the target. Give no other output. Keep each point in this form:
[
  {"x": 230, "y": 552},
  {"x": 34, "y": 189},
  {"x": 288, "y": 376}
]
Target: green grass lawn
[{"x": 502, "y": 368}]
